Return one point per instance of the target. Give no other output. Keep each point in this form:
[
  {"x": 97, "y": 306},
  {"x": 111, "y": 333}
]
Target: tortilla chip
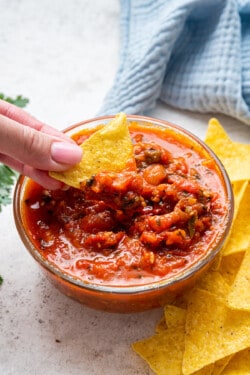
[
  {"x": 239, "y": 364},
  {"x": 239, "y": 188},
  {"x": 208, "y": 370},
  {"x": 239, "y": 239},
  {"x": 161, "y": 325},
  {"x": 230, "y": 265},
  {"x": 234, "y": 156},
  {"x": 163, "y": 351},
  {"x": 214, "y": 282},
  {"x": 239, "y": 296},
  {"x": 214, "y": 317},
  {"x": 108, "y": 149},
  {"x": 213, "y": 331},
  {"x": 221, "y": 364},
  {"x": 174, "y": 316}
]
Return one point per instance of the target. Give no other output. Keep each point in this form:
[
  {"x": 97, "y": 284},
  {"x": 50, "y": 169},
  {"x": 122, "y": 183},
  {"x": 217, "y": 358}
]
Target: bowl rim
[{"x": 140, "y": 288}]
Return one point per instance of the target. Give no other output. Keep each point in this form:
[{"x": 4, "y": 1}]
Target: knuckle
[
  {"x": 8, "y": 111},
  {"x": 30, "y": 139},
  {"x": 35, "y": 146}
]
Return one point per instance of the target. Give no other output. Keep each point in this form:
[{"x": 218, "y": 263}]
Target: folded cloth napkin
[{"x": 191, "y": 54}]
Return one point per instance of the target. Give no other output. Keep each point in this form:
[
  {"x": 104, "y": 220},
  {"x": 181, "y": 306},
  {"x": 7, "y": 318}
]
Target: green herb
[
  {"x": 7, "y": 180},
  {"x": 19, "y": 101},
  {"x": 1, "y": 280},
  {"x": 191, "y": 225}
]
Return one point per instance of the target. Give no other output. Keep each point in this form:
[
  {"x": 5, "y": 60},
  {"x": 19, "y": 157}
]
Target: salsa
[{"x": 153, "y": 220}]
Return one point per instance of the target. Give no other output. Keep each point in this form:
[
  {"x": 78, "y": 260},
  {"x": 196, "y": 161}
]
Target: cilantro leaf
[
  {"x": 7, "y": 180},
  {"x": 1, "y": 280},
  {"x": 19, "y": 101}
]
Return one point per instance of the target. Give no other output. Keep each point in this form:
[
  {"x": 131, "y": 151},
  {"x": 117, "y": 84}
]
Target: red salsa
[{"x": 144, "y": 224}]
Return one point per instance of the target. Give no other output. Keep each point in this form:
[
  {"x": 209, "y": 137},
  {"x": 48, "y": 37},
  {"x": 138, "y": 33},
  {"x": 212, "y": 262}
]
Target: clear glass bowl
[{"x": 127, "y": 299}]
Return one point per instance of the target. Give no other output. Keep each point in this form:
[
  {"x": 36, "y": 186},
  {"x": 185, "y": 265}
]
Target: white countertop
[{"x": 63, "y": 56}]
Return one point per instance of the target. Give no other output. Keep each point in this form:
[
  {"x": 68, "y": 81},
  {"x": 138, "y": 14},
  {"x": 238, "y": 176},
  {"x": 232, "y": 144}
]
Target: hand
[{"x": 33, "y": 148}]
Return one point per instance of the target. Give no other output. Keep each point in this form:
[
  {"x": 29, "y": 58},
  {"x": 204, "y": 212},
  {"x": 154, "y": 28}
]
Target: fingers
[
  {"x": 40, "y": 150},
  {"x": 33, "y": 148},
  {"x": 19, "y": 115},
  {"x": 41, "y": 177},
  {"x": 65, "y": 153}
]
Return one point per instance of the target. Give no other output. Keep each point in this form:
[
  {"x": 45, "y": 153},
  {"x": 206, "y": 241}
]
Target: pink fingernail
[{"x": 67, "y": 153}]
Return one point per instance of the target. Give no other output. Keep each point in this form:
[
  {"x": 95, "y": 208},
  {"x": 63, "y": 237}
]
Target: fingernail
[{"x": 67, "y": 153}]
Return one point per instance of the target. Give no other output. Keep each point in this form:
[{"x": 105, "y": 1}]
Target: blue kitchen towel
[{"x": 191, "y": 54}]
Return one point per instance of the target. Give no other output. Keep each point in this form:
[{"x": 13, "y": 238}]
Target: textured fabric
[{"x": 191, "y": 54}]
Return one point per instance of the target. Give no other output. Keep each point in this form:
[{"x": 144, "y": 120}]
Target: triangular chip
[
  {"x": 163, "y": 351},
  {"x": 221, "y": 364},
  {"x": 108, "y": 149},
  {"x": 235, "y": 156},
  {"x": 239, "y": 364},
  {"x": 213, "y": 282},
  {"x": 239, "y": 239},
  {"x": 174, "y": 316},
  {"x": 230, "y": 265},
  {"x": 213, "y": 331},
  {"x": 239, "y": 188},
  {"x": 239, "y": 297}
]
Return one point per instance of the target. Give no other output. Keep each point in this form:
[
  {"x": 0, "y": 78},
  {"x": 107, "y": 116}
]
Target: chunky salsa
[{"x": 144, "y": 224}]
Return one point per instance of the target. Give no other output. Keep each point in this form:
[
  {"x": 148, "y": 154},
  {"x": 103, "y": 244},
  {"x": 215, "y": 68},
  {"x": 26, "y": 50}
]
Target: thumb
[{"x": 35, "y": 148}]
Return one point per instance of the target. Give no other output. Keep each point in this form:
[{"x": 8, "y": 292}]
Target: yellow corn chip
[
  {"x": 163, "y": 351},
  {"x": 239, "y": 364},
  {"x": 235, "y": 156},
  {"x": 174, "y": 316},
  {"x": 230, "y": 265},
  {"x": 221, "y": 364},
  {"x": 239, "y": 239},
  {"x": 208, "y": 370},
  {"x": 239, "y": 188},
  {"x": 214, "y": 318},
  {"x": 161, "y": 325},
  {"x": 213, "y": 331},
  {"x": 214, "y": 283},
  {"x": 108, "y": 149},
  {"x": 239, "y": 296}
]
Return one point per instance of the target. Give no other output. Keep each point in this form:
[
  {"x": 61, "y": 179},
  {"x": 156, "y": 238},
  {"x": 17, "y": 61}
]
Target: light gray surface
[{"x": 63, "y": 56}]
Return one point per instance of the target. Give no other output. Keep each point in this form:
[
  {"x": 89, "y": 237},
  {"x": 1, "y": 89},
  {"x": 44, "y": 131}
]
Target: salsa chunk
[{"x": 150, "y": 221}]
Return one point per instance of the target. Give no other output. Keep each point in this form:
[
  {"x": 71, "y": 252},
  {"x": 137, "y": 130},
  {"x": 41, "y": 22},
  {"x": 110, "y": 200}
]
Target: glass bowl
[{"x": 130, "y": 298}]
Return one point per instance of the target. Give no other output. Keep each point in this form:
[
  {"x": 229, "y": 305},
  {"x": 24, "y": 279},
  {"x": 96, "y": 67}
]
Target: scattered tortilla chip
[
  {"x": 214, "y": 318},
  {"x": 234, "y": 156},
  {"x": 230, "y": 265},
  {"x": 239, "y": 188},
  {"x": 214, "y": 282},
  {"x": 174, "y": 316},
  {"x": 161, "y": 325},
  {"x": 239, "y": 296},
  {"x": 221, "y": 364},
  {"x": 216, "y": 263},
  {"x": 108, "y": 149},
  {"x": 208, "y": 370},
  {"x": 239, "y": 239},
  {"x": 213, "y": 331},
  {"x": 163, "y": 351},
  {"x": 239, "y": 364}
]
